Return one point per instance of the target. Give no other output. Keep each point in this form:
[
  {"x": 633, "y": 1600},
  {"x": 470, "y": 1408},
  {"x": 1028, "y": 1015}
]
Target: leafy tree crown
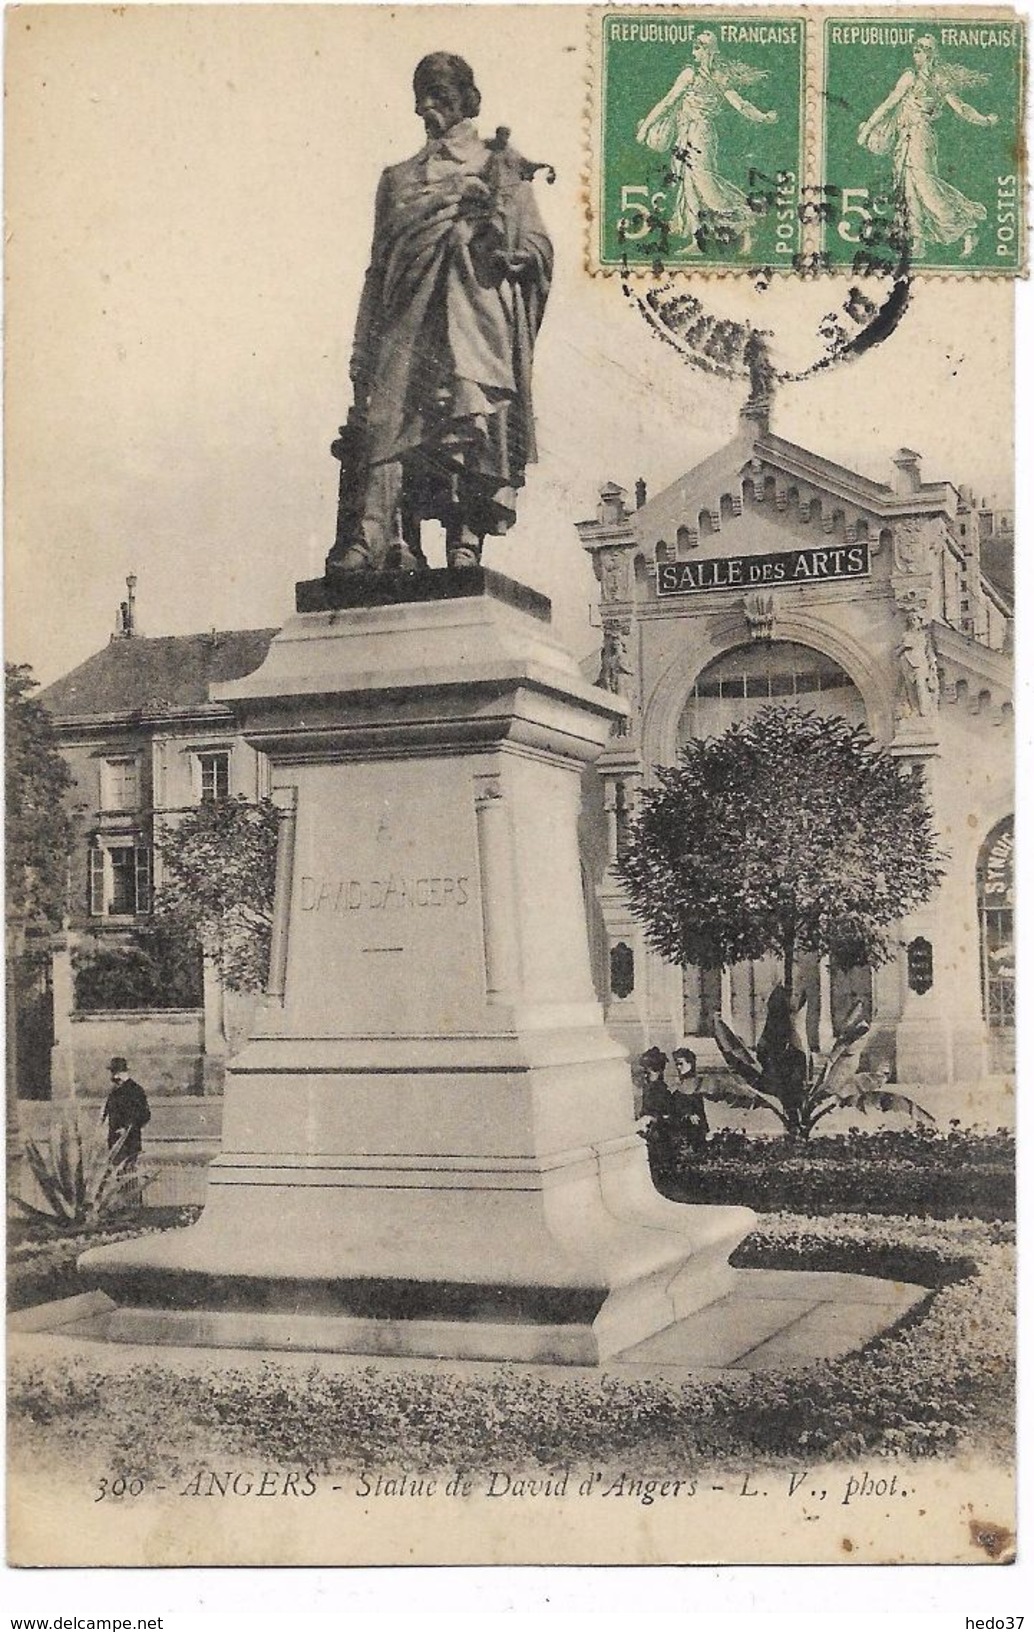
[
  {"x": 40, "y": 831},
  {"x": 792, "y": 831},
  {"x": 218, "y": 873}
]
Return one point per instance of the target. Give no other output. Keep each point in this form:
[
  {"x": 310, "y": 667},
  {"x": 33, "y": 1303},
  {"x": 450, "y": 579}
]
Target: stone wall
[{"x": 164, "y": 1047}]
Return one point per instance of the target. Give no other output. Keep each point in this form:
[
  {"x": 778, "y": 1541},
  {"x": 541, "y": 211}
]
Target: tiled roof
[
  {"x": 174, "y": 671},
  {"x": 997, "y": 559}
]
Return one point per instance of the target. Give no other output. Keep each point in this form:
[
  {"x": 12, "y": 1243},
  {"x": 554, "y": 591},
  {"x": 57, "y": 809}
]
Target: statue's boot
[
  {"x": 463, "y": 556},
  {"x": 462, "y": 549},
  {"x": 355, "y": 559},
  {"x": 407, "y": 560}
]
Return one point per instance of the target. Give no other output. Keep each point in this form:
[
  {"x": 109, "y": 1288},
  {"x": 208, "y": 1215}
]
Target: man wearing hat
[{"x": 125, "y": 1111}]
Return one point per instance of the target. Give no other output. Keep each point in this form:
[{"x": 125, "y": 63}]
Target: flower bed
[
  {"x": 907, "y": 1173},
  {"x": 41, "y": 1266},
  {"x": 940, "y": 1381}
]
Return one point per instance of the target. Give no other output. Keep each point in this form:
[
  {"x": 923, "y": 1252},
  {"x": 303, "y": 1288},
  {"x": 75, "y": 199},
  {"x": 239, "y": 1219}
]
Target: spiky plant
[
  {"x": 782, "y": 1076},
  {"x": 81, "y": 1180}
]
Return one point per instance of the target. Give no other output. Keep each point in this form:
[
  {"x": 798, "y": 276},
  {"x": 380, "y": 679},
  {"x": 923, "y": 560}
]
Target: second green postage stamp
[
  {"x": 699, "y": 139},
  {"x": 922, "y": 140}
]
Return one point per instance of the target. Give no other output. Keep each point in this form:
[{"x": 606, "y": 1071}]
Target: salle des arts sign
[{"x": 821, "y": 563}]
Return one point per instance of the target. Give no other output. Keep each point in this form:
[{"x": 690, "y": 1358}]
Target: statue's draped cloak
[{"x": 445, "y": 342}]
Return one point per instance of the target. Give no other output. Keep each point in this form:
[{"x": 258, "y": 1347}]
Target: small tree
[
  {"x": 218, "y": 873},
  {"x": 40, "y": 831},
  {"x": 790, "y": 833},
  {"x": 39, "y": 837}
]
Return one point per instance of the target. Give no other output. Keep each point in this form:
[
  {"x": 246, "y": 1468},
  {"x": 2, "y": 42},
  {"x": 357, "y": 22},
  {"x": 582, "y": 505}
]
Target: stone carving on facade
[
  {"x": 915, "y": 596},
  {"x": 612, "y": 509},
  {"x": 913, "y": 546},
  {"x": 615, "y": 671},
  {"x": 919, "y": 685},
  {"x": 614, "y": 575},
  {"x": 759, "y": 611}
]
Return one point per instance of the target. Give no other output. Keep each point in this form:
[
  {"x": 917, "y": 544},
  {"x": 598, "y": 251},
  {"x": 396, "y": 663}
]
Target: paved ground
[{"x": 772, "y": 1320}]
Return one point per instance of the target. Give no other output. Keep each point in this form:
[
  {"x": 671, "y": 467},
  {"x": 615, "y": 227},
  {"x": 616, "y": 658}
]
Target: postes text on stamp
[
  {"x": 699, "y": 139},
  {"x": 922, "y": 140}
]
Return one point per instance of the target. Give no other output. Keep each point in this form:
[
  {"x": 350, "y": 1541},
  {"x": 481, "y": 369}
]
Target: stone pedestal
[{"x": 428, "y": 1144}]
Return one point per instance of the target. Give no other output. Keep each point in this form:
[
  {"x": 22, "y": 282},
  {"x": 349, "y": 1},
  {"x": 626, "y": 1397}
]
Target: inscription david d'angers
[
  {"x": 393, "y": 893},
  {"x": 818, "y": 564}
]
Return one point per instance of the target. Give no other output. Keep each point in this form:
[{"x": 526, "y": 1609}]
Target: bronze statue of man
[{"x": 442, "y": 426}]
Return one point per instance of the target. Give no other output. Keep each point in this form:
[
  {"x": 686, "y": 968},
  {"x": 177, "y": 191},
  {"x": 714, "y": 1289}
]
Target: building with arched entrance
[{"x": 771, "y": 575}]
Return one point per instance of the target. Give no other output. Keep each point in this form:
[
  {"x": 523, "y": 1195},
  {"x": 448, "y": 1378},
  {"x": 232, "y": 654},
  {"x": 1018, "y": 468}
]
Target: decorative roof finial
[{"x": 758, "y": 363}]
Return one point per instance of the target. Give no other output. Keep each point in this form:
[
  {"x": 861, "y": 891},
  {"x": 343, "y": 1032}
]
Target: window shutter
[
  {"x": 96, "y": 881},
  {"x": 142, "y": 862}
]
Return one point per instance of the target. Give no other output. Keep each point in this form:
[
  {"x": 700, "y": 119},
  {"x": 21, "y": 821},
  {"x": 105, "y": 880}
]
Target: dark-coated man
[{"x": 126, "y": 1111}]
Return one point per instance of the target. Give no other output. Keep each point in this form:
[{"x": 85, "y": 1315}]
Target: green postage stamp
[
  {"x": 700, "y": 139},
  {"x": 808, "y": 141},
  {"x": 921, "y": 140}
]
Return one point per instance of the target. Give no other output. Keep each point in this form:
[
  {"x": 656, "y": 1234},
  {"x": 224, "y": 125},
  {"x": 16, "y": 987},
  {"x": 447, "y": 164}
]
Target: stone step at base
[{"x": 771, "y": 1320}]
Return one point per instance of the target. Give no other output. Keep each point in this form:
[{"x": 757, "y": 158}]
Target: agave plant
[
  {"x": 81, "y": 1180},
  {"x": 800, "y": 1088}
]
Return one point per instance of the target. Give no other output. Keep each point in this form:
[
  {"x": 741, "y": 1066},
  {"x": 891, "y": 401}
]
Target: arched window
[
  {"x": 997, "y": 945},
  {"x": 741, "y": 681}
]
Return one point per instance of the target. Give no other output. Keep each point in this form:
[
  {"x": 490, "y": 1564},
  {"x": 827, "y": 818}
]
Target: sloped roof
[
  {"x": 997, "y": 558},
  {"x": 174, "y": 671},
  {"x": 705, "y": 481}
]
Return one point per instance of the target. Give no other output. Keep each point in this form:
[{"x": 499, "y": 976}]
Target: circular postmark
[{"x": 773, "y": 324}]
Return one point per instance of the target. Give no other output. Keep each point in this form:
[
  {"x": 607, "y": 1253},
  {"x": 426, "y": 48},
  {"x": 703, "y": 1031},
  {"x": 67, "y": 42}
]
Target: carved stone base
[{"x": 428, "y": 1145}]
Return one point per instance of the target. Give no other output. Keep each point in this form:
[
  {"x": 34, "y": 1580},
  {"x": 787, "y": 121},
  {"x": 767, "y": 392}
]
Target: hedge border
[{"x": 939, "y": 1380}]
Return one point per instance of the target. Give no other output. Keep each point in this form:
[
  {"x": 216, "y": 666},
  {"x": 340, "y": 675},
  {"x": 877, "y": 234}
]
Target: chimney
[
  {"x": 611, "y": 509},
  {"x": 125, "y": 621},
  {"x": 908, "y": 477},
  {"x": 640, "y": 492}
]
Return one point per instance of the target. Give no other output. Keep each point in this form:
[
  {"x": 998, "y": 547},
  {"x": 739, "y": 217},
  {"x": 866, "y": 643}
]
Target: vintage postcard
[{"x": 510, "y": 806}]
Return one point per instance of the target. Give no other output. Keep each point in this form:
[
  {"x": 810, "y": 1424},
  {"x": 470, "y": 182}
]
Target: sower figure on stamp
[
  {"x": 685, "y": 123},
  {"x": 442, "y": 425},
  {"x": 931, "y": 210}
]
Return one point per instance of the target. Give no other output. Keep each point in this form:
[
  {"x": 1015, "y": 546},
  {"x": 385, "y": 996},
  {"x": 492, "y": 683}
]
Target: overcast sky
[{"x": 190, "y": 195}]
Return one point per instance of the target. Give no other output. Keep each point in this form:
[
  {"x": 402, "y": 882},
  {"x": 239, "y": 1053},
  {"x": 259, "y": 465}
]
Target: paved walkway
[{"x": 772, "y": 1320}]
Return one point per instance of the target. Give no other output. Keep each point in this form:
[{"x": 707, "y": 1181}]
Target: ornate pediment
[{"x": 751, "y": 476}]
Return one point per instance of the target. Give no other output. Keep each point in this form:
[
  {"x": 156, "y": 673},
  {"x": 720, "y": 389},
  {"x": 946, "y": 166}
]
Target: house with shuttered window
[{"x": 144, "y": 743}]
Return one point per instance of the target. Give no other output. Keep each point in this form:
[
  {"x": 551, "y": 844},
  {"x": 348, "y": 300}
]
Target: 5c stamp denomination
[
  {"x": 922, "y": 139},
  {"x": 699, "y": 139}
]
